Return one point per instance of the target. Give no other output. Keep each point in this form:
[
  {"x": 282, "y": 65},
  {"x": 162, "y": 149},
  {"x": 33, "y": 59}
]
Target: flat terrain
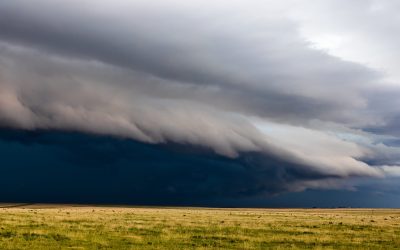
[{"x": 73, "y": 227}]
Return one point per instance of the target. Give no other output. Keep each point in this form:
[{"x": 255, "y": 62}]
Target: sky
[{"x": 238, "y": 103}]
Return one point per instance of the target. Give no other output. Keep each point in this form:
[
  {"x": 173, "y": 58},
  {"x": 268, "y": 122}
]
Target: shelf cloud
[{"x": 277, "y": 102}]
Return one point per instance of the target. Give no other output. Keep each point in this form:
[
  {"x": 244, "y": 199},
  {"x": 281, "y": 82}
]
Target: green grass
[{"x": 40, "y": 227}]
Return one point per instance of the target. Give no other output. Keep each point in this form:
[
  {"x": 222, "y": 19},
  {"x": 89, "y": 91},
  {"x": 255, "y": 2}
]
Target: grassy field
[{"x": 70, "y": 227}]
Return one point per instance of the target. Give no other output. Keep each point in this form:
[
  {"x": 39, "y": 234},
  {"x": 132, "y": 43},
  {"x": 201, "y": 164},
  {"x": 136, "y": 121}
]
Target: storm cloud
[{"x": 274, "y": 110}]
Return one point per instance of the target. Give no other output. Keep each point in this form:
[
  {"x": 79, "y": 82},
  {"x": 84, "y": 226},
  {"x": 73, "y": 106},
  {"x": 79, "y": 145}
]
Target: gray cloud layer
[{"x": 235, "y": 77}]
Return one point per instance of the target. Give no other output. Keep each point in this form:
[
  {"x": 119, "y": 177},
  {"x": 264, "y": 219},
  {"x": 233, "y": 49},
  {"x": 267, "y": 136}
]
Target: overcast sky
[{"x": 225, "y": 100}]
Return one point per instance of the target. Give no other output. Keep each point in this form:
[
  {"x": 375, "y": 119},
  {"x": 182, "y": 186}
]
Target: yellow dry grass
[{"x": 73, "y": 227}]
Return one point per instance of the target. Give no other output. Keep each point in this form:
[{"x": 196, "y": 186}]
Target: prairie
[{"x": 94, "y": 227}]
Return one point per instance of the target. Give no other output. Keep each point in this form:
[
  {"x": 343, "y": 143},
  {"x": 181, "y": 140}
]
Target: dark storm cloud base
[{"x": 51, "y": 166}]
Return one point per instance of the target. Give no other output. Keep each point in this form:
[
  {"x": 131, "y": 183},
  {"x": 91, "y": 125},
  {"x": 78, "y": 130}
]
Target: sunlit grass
[{"x": 199, "y": 228}]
